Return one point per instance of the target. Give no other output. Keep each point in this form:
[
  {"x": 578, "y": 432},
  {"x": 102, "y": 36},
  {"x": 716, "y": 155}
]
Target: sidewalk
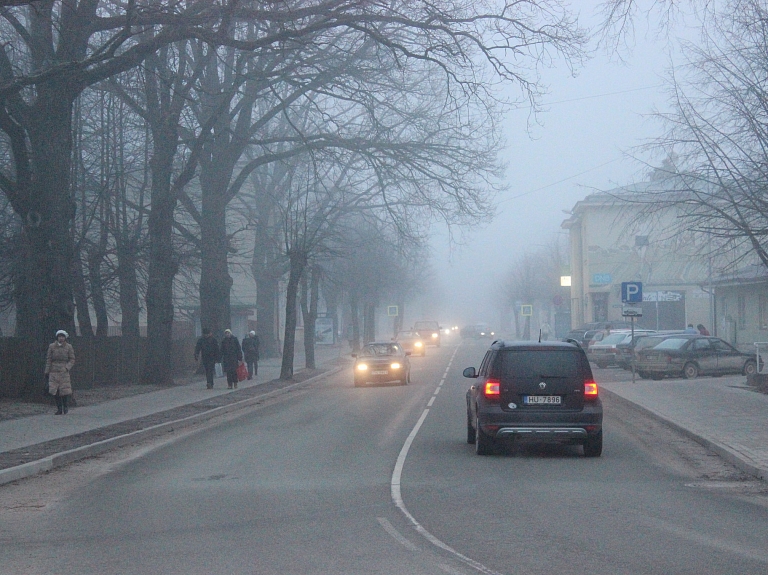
[
  {"x": 722, "y": 413},
  {"x": 95, "y": 428}
]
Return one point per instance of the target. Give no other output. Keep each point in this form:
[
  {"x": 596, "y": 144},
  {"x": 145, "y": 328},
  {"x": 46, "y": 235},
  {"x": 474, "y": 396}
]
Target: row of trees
[{"x": 145, "y": 144}]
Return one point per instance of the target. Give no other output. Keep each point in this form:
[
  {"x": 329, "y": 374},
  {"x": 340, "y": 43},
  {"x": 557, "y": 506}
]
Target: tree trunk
[
  {"x": 43, "y": 289},
  {"x": 163, "y": 265},
  {"x": 129, "y": 290},
  {"x": 309, "y": 300},
  {"x": 81, "y": 299},
  {"x": 370, "y": 322},
  {"x": 355, "y": 309},
  {"x": 97, "y": 294},
  {"x": 267, "y": 291},
  {"x": 298, "y": 262},
  {"x": 215, "y": 281}
]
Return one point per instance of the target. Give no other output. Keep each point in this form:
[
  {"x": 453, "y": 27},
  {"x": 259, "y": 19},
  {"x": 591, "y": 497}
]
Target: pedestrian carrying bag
[{"x": 242, "y": 371}]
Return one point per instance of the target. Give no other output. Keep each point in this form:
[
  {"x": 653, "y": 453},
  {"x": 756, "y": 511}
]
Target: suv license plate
[
  {"x": 379, "y": 372},
  {"x": 542, "y": 400}
]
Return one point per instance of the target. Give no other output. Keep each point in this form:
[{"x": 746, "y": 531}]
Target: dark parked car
[
  {"x": 643, "y": 340},
  {"x": 605, "y": 352},
  {"x": 693, "y": 355},
  {"x": 531, "y": 391},
  {"x": 382, "y": 362},
  {"x": 412, "y": 341}
]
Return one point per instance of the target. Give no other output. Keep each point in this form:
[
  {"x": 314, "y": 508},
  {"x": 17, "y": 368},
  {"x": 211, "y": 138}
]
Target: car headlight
[
  {"x": 418, "y": 344},
  {"x": 362, "y": 367},
  {"x": 447, "y": 332},
  {"x": 434, "y": 335},
  {"x": 395, "y": 365}
]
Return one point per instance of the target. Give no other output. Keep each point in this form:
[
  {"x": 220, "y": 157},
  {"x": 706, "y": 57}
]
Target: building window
[
  {"x": 742, "y": 303},
  {"x": 763, "y": 311}
]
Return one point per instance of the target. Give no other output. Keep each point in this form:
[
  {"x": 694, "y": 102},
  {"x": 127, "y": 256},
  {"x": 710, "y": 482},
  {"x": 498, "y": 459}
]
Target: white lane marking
[
  {"x": 437, "y": 391},
  {"x": 389, "y": 528},
  {"x": 431, "y": 401},
  {"x": 397, "y": 499},
  {"x": 449, "y": 569}
]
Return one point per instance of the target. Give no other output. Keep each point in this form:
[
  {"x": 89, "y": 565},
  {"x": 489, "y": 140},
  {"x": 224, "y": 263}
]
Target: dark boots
[{"x": 62, "y": 404}]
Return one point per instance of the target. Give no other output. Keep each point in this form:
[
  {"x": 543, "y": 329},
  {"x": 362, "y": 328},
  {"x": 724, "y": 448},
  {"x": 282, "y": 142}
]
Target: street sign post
[{"x": 631, "y": 292}]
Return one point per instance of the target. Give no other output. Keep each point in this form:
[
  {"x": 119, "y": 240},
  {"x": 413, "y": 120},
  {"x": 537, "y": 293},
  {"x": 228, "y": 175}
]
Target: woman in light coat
[{"x": 58, "y": 363}]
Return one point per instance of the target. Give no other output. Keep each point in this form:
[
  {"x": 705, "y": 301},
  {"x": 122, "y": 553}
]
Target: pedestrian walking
[
  {"x": 251, "y": 353},
  {"x": 231, "y": 356},
  {"x": 702, "y": 330},
  {"x": 207, "y": 348},
  {"x": 546, "y": 329},
  {"x": 58, "y": 363}
]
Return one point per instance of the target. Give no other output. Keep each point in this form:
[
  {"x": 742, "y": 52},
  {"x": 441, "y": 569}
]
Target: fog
[{"x": 585, "y": 140}]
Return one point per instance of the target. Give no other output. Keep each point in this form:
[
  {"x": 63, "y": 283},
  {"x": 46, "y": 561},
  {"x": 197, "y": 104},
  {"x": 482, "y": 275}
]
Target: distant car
[
  {"x": 529, "y": 391},
  {"x": 429, "y": 330},
  {"x": 605, "y": 353},
  {"x": 691, "y": 356},
  {"x": 412, "y": 341},
  {"x": 586, "y": 332},
  {"x": 382, "y": 362},
  {"x": 477, "y": 331}
]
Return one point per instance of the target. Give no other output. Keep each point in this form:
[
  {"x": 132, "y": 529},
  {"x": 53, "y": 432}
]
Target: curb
[
  {"x": 733, "y": 456},
  {"x": 66, "y": 457}
]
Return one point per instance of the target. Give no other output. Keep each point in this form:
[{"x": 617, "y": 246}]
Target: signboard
[
  {"x": 632, "y": 292},
  {"x": 392, "y": 311},
  {"x": 632, "y": 311},
  {"x": 526, "y": 310},
  {"x": 324, "y": 331},
  {"x": 601, "y": 279}
]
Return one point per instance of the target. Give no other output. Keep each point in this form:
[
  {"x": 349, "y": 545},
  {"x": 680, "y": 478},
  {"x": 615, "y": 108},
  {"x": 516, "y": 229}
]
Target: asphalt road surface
[{"x": 331, "y": 479}]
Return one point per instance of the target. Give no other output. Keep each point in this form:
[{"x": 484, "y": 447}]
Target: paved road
[{"x": 305, "y": 485}]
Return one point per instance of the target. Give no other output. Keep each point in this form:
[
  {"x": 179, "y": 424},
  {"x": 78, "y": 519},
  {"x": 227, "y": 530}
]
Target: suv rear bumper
[{"x": 542, "y": 433}]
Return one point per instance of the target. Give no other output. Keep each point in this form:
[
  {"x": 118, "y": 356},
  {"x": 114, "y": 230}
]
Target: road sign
[
  {"x": 392, "y": 311},
  {"x": 632, "y": 311},
  {"x": 632, "y": 292},
  {"x": 526, "y": 310}
]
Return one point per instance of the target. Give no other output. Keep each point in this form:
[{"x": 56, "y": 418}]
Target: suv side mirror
[{"x": 470, "y": 372}]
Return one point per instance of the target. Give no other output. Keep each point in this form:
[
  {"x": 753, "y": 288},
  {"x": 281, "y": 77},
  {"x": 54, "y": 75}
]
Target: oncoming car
[
  {"x": 528, "y": 391},
  {"x": 382, "y": 362},
  {"x": 429, "y": 330},
  {"x": 412, "y": 341}
]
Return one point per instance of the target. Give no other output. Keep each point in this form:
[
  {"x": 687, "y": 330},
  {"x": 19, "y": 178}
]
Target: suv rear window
[{"x": 540, "y": 363}]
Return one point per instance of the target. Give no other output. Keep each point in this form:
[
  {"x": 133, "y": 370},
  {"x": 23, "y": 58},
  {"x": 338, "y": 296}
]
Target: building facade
[{"x": 610, "y": 243}]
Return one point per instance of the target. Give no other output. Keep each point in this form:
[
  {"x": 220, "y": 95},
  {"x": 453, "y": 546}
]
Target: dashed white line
[{"x": 397, "y": 497}]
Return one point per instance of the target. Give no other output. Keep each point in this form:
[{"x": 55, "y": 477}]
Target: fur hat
[
  {"x": 251, "y": 333},
  {"x": 62, "y": 332},
  {"x": 229, "y": 331}
]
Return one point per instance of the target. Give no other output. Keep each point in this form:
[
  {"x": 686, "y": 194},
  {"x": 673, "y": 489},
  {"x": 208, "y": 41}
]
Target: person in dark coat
[
  {"x": 251, "y": 353},
  {"x": 208, "y": 348},
  {"x": 231, "y": 356},
  {"x": 702, "y": 330}
]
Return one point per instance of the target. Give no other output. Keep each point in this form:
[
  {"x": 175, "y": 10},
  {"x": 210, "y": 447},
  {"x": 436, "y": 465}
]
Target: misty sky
[{"x": 593, "y": 121}]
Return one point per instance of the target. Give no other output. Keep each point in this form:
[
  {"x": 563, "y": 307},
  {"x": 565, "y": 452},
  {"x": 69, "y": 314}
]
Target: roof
[{"x": 752, "y": 274}]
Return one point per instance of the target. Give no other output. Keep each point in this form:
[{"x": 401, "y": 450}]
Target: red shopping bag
[{"x": 242, "y": 372}]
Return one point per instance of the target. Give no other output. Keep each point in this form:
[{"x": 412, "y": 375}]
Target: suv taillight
[
  {"x": 590, "y": 390},
  {"x": 492, "y": 389}
]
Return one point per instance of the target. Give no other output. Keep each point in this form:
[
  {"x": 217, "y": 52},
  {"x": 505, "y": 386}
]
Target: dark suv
[{"x": 534, "y": 391}]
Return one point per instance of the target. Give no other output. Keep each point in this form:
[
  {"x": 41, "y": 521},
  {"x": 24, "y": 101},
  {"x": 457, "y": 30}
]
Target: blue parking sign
[{"x": 632, "y": 292}]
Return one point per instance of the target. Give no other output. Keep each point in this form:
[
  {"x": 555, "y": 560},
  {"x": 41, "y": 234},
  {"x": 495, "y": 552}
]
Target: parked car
[
  {"x": 529, "y": 391},
  {"x": 629, "y": 348},
  {"x": 587, "y": 332},
  {"x": 693, "y": 355},
  {"x": 429, "y": 330},
  {"x": 382, "y": 362},
  {"x": 605, "y": 353},
  {"x": 412, "y": 341}
]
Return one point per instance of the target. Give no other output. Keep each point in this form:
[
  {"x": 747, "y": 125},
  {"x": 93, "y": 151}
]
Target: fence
[{"x": 99, "y": 362}]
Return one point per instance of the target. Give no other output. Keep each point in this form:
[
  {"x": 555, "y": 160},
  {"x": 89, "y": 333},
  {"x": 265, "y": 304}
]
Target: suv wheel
[
  {"x": 483, "y": 442},
  {"x": 470, "y": 429},
  {"x": 593, "y": 446},
  {"x": 690, "y": 370},
  {"x": 750, "y": 368}
]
